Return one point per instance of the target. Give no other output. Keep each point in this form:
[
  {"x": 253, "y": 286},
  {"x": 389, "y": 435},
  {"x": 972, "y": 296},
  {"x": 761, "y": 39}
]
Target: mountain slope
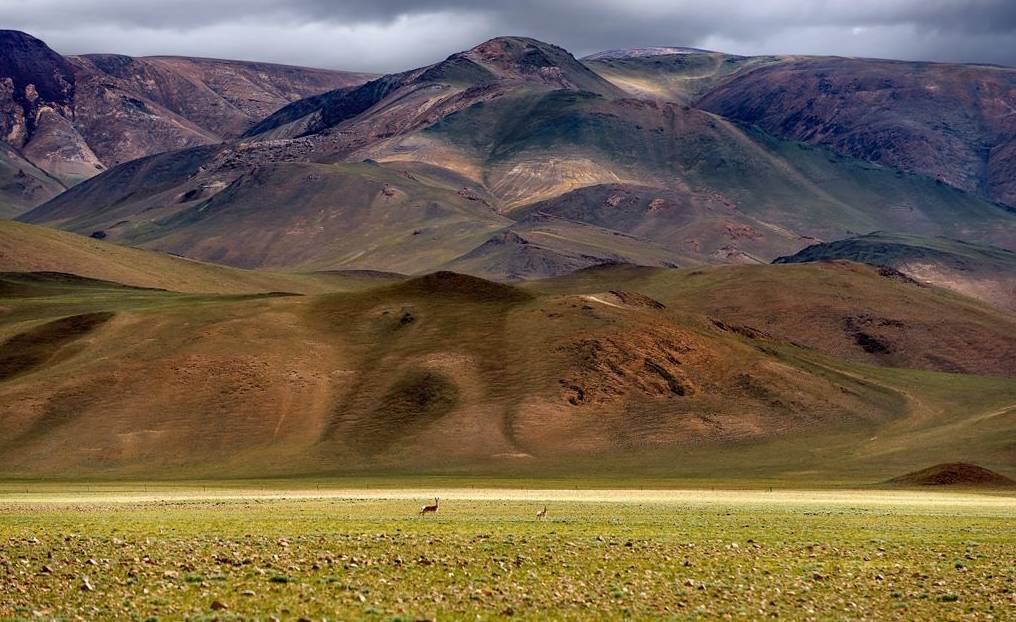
[
  {"x": 464, "y": 78},
  {"x": 22, "y": 185},
  {"x": 983, "y": 272},
  {"x": 73, "y": 117},
  {"x": 642, "y": 52},
  {"x": 492, "y": 132},
  {"x": 952, "y": 123},
  {"x": 702, "y": 226},
  {"x": 224, "y": 97},
  {"x": 679, "y": 76},
  {"x": 544, "y": 246},
  {"x": 286, "y": 214}
]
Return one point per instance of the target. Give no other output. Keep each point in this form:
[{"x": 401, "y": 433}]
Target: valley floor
[{"x": 217, "y": 551}]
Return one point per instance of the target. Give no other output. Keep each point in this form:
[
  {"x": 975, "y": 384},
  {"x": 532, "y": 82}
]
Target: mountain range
[
  {"x": 518, "y": 159},
  {"x": 64, "y": 119},
  {"x": 511, "y": 261}
]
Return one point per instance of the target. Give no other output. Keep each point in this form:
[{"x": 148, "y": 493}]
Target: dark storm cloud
[{"x": 384, "y": 35}]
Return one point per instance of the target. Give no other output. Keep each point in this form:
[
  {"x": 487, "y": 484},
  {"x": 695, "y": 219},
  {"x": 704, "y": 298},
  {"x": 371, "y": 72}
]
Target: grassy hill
[
  {"x": 30, "y": 248},
  {"x": 616, "y": 370},
  {"x": 977, "y": 270}
]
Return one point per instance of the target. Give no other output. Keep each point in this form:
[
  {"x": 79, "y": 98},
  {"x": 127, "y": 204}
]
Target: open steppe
[{"x": 318, "y": 550}]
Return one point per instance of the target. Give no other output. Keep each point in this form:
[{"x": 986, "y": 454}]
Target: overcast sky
[{"x": 390, "y": 35}]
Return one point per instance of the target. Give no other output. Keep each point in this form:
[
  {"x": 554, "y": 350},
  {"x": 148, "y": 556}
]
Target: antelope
[
  {"x": 430, "y": 508},
  {"x": 542, "y": 514}
]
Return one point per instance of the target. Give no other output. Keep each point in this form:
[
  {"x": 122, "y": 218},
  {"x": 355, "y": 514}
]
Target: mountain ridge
[{"x": 73, "y": 117}]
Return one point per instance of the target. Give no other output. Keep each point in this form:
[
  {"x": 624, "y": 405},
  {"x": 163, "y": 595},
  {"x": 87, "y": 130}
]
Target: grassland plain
[{"x": 306, "y": 550}]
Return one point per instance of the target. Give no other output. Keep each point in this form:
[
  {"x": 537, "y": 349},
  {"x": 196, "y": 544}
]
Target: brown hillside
[
  {"x": 846, "y": 310},
  {"x": 449, "y": 371},
  {"x": 955, "y": 474}
]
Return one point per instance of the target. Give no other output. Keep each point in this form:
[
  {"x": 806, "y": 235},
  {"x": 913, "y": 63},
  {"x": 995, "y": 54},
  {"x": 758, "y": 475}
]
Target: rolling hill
[
  {"x": 29, "y": 249},
  {"x": 484, "y": 141},
  {"x": 610, "y": 369},
  {"x": 980, "y": 271},
  {"x": 842, "y": 309}
]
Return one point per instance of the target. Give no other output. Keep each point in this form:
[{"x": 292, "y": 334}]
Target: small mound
[
  {"x": 464, "y": 286},
  {"x": 954, "y": 474}
]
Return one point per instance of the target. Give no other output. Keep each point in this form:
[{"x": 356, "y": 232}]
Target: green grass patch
[{"x": 742, "y": 555}]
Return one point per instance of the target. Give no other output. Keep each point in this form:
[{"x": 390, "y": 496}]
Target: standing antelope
[
  {"x": 430, "y": 508},
  {"x": 542, "y": 514}
]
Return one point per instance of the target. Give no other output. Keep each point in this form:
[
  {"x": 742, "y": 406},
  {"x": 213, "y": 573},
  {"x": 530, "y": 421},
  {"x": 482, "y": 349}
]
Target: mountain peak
[
  {"x": 12, "y": 37},
  {"x": 20, "y": 47},
  {"x": 531, "y": 60},
  {"x": 37, "y": 72},
  {"x": 513, "y": 46}
]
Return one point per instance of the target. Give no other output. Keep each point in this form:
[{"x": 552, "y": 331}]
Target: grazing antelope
[
  {"x": 542, "y": 514},
  {"x": 430, "y": 508}
]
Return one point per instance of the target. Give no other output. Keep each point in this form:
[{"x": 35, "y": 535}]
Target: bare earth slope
[{"x": 843, "y": 309}]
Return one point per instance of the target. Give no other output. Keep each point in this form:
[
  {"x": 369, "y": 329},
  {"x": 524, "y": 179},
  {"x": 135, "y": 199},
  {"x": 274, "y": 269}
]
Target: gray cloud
[{"x": 388, "y": 35}]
